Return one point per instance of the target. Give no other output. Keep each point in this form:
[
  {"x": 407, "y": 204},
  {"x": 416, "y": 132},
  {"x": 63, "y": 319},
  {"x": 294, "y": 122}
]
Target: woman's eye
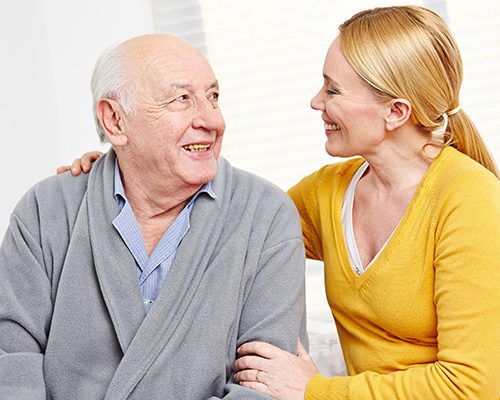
[{"x": 332, "y": 90}]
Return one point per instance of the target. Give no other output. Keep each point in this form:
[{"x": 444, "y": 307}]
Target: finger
[
  {"x": 261, "y": 349},
  {"x": 85, "y": 166},
  {"x": 248, "y": 375},
  {"x": 62, "y": 169},
  {"x": 249, "y": 362},
  {"x": 301, "y": 350},
  {"x": 76, "y": 167},
  {"x": 259, "y": 387},
  {"x": 88, "y": 158},
  {"x": 91, "y": 156}
]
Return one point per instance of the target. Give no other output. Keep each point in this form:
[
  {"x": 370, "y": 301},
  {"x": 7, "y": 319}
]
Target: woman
[{"x": 409, "y": 232}]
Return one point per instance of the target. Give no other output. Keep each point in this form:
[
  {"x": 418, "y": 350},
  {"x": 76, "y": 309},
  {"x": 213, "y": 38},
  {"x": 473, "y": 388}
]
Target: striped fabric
[{"x": 152, "y": 270}]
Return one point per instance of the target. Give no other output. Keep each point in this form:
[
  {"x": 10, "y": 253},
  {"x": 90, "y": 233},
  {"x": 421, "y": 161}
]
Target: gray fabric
[{"x": 72, "y": 323}]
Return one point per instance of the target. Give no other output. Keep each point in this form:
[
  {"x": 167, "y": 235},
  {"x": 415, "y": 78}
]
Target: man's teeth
[
  {"x": 332, "y": 127},
  {"x": 197, "y": 148}
]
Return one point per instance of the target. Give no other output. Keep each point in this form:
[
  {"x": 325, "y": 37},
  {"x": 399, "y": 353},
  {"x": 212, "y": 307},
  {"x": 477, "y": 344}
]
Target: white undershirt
[{"x": 347, "y": 226}]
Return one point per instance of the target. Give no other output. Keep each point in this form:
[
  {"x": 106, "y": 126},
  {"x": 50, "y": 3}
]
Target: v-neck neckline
[{"x": 392, "y": 244}]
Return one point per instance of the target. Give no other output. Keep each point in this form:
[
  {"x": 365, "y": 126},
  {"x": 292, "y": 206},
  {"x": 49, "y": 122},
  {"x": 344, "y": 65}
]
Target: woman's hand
[
  {"x": 274, "y": 372},
  {"x": 79, "y": 165}
]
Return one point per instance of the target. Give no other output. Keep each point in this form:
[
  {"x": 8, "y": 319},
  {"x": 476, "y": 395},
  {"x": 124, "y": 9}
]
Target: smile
[
  {"x": 196, "y": 148},
  {"x": 332, "y": 127}
]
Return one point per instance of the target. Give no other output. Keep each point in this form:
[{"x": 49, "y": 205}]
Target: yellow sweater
[{"x": 423, "y": 322}]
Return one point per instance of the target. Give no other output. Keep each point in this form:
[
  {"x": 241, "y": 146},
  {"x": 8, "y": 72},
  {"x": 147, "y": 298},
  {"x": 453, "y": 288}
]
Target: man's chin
[{"x": 203, "y": 177}]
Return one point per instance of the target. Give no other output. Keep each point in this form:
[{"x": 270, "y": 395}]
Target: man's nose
[{"x": 208, "y": 116}]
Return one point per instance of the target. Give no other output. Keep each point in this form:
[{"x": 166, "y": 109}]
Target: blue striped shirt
[{"x": 152, "y": 270}]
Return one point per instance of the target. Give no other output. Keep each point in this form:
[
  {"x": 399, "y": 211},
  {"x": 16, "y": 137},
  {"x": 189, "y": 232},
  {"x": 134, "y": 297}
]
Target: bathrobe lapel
[
  {"x": 115, "y": 266},
  {"x": 144, "y": 338}
]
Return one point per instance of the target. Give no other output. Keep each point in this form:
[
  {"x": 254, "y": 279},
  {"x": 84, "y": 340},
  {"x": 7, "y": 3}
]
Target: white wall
[{"x": 48, "y": 49}]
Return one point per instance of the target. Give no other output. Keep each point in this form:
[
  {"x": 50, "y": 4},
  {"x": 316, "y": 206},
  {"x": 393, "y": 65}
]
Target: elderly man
[{"x": 141, "y": 279}]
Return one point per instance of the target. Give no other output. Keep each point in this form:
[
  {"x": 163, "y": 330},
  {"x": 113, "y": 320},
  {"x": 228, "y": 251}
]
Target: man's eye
[
  {"x": 214, "y": 96},
  {"x": 182, "y": 98}
]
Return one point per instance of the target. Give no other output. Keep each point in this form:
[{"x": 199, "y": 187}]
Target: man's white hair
[{"x": 109, "y": 81}]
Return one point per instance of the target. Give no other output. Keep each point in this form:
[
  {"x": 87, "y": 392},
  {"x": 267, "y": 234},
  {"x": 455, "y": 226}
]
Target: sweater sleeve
[
  {"x": 304, "y": 195},
  {"x": 467, "y": 298},
  {"x": 25, "y": 309}
]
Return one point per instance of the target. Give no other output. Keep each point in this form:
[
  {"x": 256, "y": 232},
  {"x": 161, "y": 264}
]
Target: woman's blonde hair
[{"x": 408, "y": 52}]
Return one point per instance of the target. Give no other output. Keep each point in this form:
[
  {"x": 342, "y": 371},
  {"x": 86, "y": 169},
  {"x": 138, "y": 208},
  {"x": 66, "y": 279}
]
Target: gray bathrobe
[{"x": 72, "y": 322}]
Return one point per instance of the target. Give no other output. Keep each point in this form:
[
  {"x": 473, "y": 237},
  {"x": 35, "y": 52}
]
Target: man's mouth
[
  {"x": 332, "y": 127},
  {"x": 196, "y": 148}
]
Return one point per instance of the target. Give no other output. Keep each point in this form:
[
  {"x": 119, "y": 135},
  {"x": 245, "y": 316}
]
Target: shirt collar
[{"x": 119, "y": 192}]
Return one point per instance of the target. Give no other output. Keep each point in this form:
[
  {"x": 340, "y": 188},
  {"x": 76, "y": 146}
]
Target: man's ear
[
  {"x": 398, "y": 113},
  {"x": 110, "y": 116}
]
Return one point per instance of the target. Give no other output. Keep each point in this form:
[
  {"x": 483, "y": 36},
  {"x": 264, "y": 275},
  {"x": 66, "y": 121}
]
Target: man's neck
[{"x": 155, "y": 204}]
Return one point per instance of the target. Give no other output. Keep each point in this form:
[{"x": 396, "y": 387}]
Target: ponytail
[{"x": 464, "y": 136}]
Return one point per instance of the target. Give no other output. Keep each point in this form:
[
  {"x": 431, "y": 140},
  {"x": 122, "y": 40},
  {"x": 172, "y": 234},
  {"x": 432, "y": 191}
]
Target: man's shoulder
[
  {"x": 245, "y": 177},
  {"x": 61, "y": 187},
  {"x": 247, "y": 184},
  {"x": 54, "y": 195},
  {"x": 259, "y": 205}
]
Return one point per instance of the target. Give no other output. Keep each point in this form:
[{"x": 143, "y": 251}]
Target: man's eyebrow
[
  {"x": 215, "y": 85},
  {"x": 186, "y": 85},
  {"x": 180, "y": 85}
]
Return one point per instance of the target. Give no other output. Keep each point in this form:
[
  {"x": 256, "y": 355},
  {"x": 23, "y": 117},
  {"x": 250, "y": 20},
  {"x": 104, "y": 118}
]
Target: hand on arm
[
  {"x": 275, "y": 372},
  {"x": 79, "y": 165}
]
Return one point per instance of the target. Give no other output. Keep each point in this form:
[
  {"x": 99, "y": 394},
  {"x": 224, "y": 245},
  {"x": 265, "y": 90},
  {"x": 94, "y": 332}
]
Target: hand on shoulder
[{"x": 79, "y": 165}]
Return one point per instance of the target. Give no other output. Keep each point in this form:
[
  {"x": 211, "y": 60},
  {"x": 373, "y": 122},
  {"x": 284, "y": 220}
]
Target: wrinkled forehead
[{"x": 165, "y": 63}]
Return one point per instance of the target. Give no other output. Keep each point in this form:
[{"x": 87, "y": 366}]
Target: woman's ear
[
  {"x": 399, "y": 112},
  {"x": 110, "y": 116}
]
